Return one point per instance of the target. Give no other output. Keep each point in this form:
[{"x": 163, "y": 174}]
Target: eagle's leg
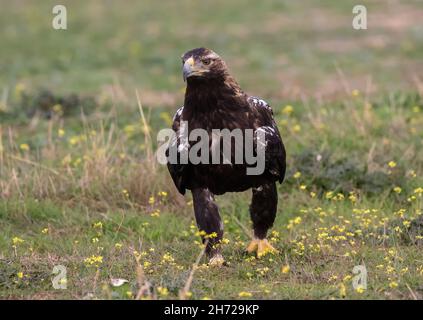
[
  {"x": 263, "y": 212},
  {"x": 209, "y": 223}
]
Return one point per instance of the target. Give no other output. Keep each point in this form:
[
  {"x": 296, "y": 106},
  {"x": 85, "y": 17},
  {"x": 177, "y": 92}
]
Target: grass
[{"x": 80, "y": 185}]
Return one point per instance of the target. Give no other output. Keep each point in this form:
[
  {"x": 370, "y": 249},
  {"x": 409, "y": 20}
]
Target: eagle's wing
[
  {"x": 176, "y": 169},
  {"x": 275, "y": 155}
]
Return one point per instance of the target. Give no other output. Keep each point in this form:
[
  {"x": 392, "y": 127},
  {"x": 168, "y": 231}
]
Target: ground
[{"x": 80, "y": 185}]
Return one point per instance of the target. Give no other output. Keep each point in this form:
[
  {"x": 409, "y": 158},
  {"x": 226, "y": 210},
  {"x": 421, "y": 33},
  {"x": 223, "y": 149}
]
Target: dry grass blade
[
  {"x": 244, "y": 228},
  {"x": 146, "y": 129},
  {"x": 183, "y": 293},
  {"x": 36, "y": 164},
  {"x": 143, "y": 284}
]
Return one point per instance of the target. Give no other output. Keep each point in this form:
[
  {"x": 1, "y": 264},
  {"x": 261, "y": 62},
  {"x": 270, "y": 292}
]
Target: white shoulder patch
[
  {"x": 259, "y": 102},
  {"x": 178, "y": 113}
]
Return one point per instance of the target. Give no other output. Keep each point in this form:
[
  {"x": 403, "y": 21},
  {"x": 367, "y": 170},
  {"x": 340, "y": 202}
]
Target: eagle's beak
[
  {"x": 188, "y": 68},
  {"x": 192, "y": 69}
]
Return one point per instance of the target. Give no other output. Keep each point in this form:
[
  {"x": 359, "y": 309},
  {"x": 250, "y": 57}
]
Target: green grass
[{"x": 79, "y": 178}]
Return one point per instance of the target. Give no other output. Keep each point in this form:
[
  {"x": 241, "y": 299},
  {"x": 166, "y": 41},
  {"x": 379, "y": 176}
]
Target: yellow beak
[{"x": 188, "y": 68}]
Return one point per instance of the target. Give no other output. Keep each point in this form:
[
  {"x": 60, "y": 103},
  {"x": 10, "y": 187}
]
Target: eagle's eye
[{"x": 206, "y": 62}]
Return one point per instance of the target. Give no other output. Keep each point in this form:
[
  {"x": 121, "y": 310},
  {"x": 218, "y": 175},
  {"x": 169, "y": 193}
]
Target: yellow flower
[
  {"x": 397, "y": 189},
  {"x": 155, "y": 213},
  {"x": 162, "y": 194},
  {"x": 167, "y": 257},
  {"x": 347, "y": 278},
  {"x": 94, "y": 261},
  {"x": 44, "y": 231},
  {"x": 125, "y": 193},
  {"x": 211, "y": 235},
  {"x": 285, "y": 269},
  {"x": 296, "y": 128},
  {"x": 360, "y": 289},
  {"x": 162, "y": 291},
  {"x": 129, "y": 129},
  {"x": 151, "y": 200},
  {"x": 17, "y": 241},
  {"x": 288, "y": 109},
  {"x": 293, "y": 222},
  {"x": 245, "y": 294},
  {"x": 342, "y": 290},
  {"x": 297, "y": 175},
  {"x": 200, "y": 233},
  {"x": 333, "y": 278},
  {"x": 392, "y": 164},
  {"x": 98, "y": 225},
  {"x": 57, "y": 108},
  {"x": 393, "y": 284},
  {"x": 60, "y": 132},
  {"x": 339, "y": 196},
  {"x": 355, "y": 93},
  {"x": 20, "y": 275},
  {"x": 74, "y": 140},
  {"x": 24, "y": 147}
]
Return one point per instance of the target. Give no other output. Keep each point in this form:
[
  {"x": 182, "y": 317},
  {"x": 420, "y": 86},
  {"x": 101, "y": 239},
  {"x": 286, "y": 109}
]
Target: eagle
[{"x": 215, "y": 101}]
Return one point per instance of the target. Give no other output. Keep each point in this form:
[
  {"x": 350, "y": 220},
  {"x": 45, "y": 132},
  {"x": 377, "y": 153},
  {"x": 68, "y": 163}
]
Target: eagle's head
[{"x": 202, "y": 64}]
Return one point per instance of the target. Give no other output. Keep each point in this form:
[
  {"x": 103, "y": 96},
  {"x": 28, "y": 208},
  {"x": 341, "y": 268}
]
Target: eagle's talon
[
  {"x": 216, "y": 261},
  {"x": 261, "y": 246},
  {"x": 253, "y": 246}
]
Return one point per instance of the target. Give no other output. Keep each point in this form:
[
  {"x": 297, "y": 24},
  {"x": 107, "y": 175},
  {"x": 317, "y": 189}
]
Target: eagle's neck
[{"x": 204, "y": 96}]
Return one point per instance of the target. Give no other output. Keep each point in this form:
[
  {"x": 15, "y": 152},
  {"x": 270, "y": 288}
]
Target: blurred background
[{"x": 277, "y": 49}]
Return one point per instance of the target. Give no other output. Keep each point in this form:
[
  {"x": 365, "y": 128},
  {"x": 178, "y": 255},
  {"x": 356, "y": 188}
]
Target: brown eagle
[{"x": 214, "y": 100}]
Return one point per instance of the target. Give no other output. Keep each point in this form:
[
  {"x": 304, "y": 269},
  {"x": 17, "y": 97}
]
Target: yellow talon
[
  {"x": 252, "y": 246},
  {"x": 265, "y": 247},
  {"x": 261, "y": 246}
]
